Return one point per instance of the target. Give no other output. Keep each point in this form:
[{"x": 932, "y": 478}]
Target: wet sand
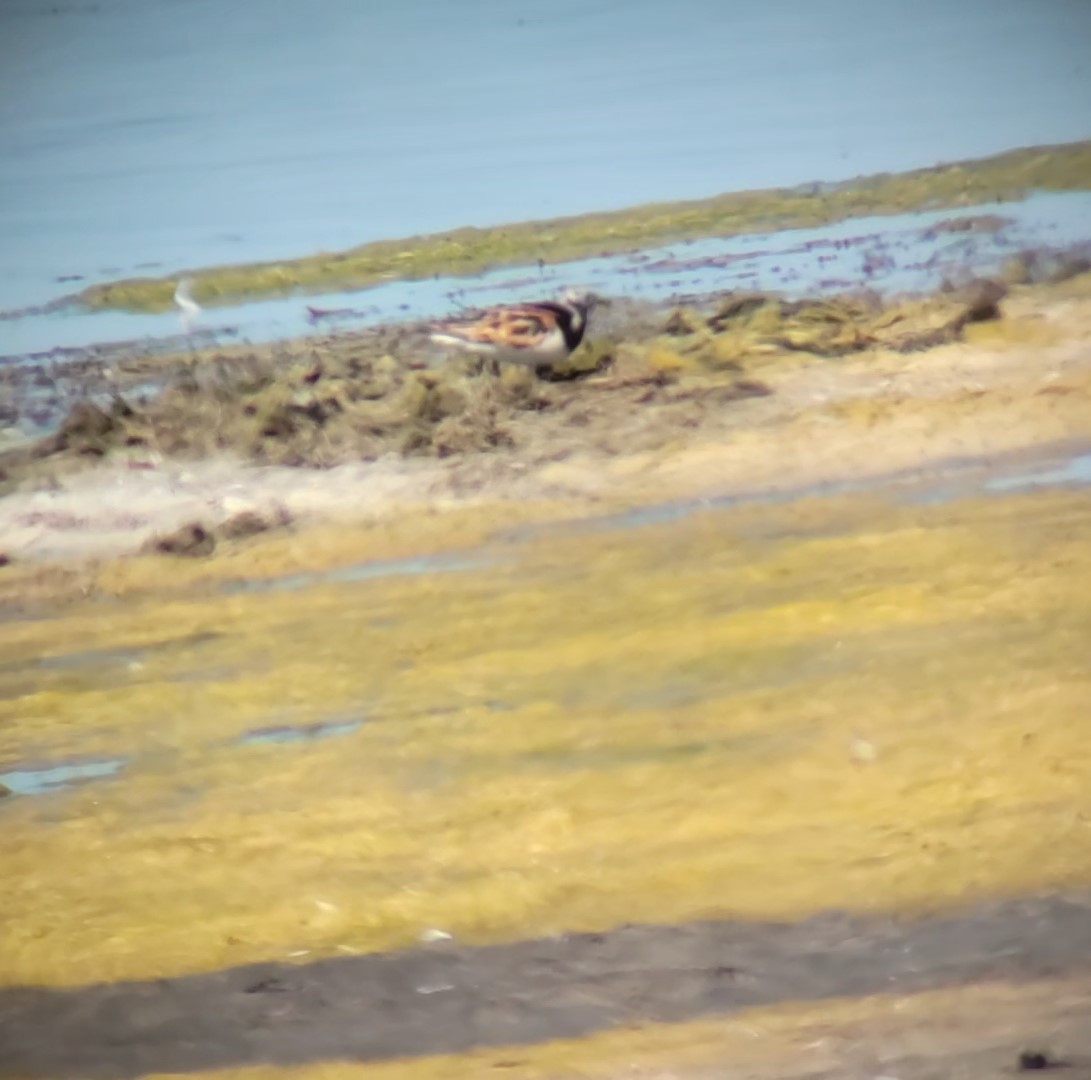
[{"x": 444, "y": 999}]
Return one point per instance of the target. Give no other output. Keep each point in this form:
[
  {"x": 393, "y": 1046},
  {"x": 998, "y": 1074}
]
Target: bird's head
[{"x": 584, "y": 302}]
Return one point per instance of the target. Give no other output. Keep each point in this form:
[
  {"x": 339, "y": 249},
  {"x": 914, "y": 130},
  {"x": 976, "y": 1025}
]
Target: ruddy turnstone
[{"x": 536, "y": 334}]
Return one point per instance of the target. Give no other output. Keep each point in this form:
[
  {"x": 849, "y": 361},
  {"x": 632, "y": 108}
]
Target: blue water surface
[{"x": 144, "y": 136}]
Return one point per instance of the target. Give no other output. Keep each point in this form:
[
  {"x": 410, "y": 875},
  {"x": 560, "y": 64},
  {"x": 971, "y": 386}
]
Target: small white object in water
[{"x": 190, "y": 309}]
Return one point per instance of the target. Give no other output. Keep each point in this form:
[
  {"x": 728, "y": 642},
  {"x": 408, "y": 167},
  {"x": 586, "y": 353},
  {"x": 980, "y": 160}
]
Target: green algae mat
[{"x": 763, "y": 711}]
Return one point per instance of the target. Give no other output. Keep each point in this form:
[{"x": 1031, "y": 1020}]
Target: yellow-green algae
[
  {"x": 1006, "y": 176},
  {"x": 645, "y": 724}
]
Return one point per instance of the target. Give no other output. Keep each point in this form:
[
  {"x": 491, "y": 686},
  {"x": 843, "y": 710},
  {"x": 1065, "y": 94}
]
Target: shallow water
[
  {"x": 365, "y": 571},
  {"x": 109, "y": 658},
  {"x": 956, "y": 479},
  {"x": 1076, "y": 470},
  {"x": 891, "y": 254},
  {"x": 286, "y": 733},
  {"x": 144, "y": 137},
  {"x": 46, "y": 779}
]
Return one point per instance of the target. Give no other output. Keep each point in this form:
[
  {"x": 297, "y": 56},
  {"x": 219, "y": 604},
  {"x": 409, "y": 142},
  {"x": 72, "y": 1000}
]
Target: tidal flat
[
  {"x": 763, "y": 610},
  {"x": 563, "y": 725},
  {"x": 762, "y": 711}
]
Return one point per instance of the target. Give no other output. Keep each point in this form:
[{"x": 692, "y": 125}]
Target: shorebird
[
  {"x": 536, "y": 333},
  {"x": 187, "y": 306}
]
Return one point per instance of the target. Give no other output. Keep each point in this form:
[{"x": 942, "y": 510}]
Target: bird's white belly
[{"x": 549, "y": 350}]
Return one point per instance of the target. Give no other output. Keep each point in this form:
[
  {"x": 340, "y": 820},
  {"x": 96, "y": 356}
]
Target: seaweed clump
[
  {"x": 746, "y": 327},
  {"x": 316, "y": 410},
  {"x": 361, "y": 398}
]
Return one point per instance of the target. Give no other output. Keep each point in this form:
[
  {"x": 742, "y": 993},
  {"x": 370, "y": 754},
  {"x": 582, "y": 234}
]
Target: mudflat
[{"x": 722, "y": 706}]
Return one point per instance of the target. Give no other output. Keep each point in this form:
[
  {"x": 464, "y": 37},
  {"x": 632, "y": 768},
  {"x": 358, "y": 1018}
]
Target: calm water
[
  {"x": 902, "y": 253},
  {"x": 141, "y": 136}
]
